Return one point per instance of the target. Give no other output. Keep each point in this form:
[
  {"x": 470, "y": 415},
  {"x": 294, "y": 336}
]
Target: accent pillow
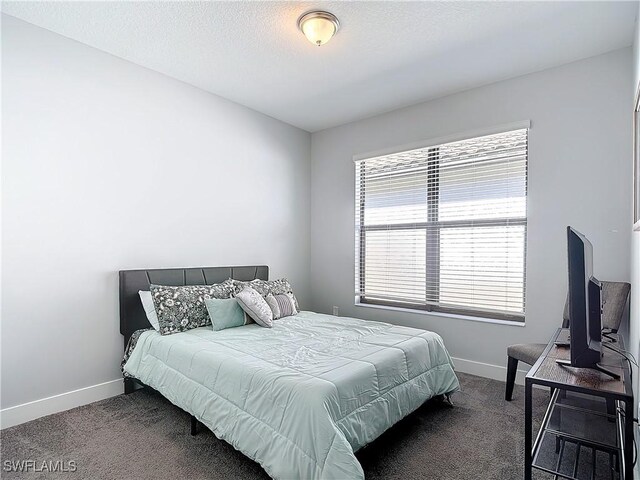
[
  {"x": 149, "y": 309},
  {"x": 266, "y": 287},
  {"x": 225, "y": 313},
  {"x": 286, "y": 304},
  {"x": 255, "y": 306},
  {"x": 273, "y": 305},
  {"x": 182, "y": 308}
]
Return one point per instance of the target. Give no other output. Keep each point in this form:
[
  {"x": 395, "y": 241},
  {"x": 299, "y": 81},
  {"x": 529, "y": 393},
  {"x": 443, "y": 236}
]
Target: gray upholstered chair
[{"x": 614, "y": 300}]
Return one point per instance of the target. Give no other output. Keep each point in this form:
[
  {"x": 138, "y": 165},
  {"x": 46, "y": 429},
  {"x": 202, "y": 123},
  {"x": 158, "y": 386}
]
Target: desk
[{"x": 615, "y": 395}]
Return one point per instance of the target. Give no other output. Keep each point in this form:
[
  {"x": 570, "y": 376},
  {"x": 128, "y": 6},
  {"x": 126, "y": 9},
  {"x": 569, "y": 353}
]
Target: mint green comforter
[{"x": 302, "y": 397}]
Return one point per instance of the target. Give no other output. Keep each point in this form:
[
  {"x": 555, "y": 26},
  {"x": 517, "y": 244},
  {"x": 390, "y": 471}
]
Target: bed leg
[
  {"x": 447, "y": 399},
  {"x": 194, "y": 425},
  {"x": 129, "y": 386}
]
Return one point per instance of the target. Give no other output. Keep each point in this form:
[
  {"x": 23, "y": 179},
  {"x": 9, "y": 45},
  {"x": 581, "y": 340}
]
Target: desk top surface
[{"x": 547, "y": 371}]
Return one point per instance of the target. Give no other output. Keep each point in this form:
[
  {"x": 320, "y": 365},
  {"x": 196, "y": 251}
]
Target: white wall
[
  {"x": 634, "y": 334},
  {"x": 109, "y": 166},
  {"x": 579, "y": 170}
]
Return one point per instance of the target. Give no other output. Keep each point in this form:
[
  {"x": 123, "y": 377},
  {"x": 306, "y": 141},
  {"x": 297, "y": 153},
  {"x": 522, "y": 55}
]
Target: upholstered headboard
[{"x": 132, "y": 316}]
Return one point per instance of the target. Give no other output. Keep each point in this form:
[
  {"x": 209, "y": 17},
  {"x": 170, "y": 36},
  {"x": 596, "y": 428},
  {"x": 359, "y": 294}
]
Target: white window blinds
[{"x": 443, "y": 228}]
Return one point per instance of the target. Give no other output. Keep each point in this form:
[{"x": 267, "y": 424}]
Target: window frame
[{"x": 432, "y": 230}]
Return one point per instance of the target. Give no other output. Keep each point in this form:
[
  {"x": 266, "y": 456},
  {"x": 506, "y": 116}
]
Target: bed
[{"x": 299, "y": 398}]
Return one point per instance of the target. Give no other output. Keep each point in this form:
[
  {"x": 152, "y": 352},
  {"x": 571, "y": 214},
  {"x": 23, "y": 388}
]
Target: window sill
[{"x": 441, "y": 314}]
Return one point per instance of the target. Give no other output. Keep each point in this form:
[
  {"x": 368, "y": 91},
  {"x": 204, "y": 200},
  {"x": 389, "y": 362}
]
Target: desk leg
[
  {"x": 527, "y": 429},
  {"x": 628, "y": 439}
]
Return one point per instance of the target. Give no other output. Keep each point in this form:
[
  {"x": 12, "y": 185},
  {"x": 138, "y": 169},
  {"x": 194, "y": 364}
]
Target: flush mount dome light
[{"x": 318, "y": 26}]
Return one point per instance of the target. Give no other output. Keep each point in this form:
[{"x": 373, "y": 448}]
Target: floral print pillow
[
  {"x": 266, "y": 287},
  {"x": 182, "y": 308}
]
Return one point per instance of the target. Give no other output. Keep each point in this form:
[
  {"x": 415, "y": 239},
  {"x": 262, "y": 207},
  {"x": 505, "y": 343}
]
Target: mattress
[{"x": 302, "y": 397}]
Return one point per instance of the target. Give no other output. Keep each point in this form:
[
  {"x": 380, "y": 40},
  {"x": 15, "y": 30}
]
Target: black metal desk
[{"x": 616, "y": 397}]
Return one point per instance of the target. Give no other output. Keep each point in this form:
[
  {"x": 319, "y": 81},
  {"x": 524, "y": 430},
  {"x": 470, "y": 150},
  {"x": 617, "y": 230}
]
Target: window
[{"x": 443, "y": 228}]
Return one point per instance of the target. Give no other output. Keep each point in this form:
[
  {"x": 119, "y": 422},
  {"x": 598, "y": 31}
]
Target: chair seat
[{"x": 526, "y": 352}]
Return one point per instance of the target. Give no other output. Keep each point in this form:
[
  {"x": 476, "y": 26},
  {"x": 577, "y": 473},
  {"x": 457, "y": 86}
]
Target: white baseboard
[
  {"x": 46, "y": 406},
  {"x": 487, "y": 370}
]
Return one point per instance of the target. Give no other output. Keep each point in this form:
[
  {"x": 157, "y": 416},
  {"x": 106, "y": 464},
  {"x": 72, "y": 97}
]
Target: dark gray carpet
[{"x": 143, "y": 436}]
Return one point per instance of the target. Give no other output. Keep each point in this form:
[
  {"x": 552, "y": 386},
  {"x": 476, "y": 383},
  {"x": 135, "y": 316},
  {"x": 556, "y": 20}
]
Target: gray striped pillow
[
  {"x": 286, "y": 304},
  {"x": 273, "y": 305}
]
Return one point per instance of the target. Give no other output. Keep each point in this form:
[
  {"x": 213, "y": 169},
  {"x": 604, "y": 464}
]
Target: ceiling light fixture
[{"x": 318, "y": 26}]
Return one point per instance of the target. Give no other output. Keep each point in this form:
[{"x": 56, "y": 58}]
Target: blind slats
[{"x": 444, "y": 227}]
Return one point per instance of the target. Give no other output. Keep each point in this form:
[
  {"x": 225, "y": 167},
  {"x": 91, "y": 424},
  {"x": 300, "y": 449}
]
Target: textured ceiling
[{"x": 386, "y": 55}]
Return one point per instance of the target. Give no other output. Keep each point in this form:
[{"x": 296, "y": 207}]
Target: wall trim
[
  {"x": 487, "y": 370},
  {"x": 509, "y": 323},
  {"x": 456, "y": 137},
  {"x": 58, "y": 403}
]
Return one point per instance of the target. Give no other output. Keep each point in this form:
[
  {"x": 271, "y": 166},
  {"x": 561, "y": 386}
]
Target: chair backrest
[{"x": 614, "y": 301}]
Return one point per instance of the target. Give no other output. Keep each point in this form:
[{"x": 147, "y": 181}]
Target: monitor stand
[{"x": 567, "y": 363}]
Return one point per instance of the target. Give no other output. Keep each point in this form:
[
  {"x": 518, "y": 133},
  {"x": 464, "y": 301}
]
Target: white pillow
[
  {"x": 149, "y": 308},
  {"x": 255, "y": 306}
]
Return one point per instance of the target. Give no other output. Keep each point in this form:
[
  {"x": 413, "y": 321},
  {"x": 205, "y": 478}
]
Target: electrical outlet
[{"x": 335, "y": 310}]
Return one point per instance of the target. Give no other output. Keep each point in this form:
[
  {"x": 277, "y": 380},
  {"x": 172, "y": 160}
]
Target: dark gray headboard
[{"x": 132, "y": 316}]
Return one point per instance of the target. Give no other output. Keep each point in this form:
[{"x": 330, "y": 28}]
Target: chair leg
[{"x": 512, "y": 368}]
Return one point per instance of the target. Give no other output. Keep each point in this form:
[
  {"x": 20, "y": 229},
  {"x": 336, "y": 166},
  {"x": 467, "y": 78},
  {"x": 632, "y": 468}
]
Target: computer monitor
[{"x": 585, "y": 305}]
